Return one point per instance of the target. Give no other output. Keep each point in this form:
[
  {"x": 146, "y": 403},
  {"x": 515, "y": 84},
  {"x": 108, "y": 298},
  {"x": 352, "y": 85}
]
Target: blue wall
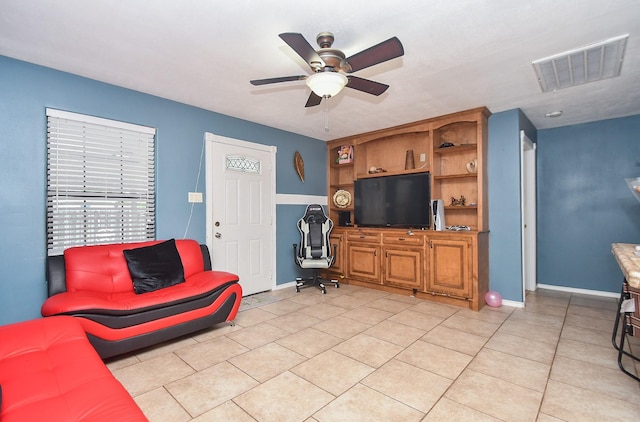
[
  {"x": 505, "y": 260},
  {"x": 584, "y": 204},
  {"x": 505, "y": 235},
  {"x": 26, "y": 90}
]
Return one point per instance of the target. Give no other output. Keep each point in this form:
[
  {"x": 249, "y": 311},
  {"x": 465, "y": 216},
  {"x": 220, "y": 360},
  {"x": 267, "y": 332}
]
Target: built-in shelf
[
  {"x": 455, "y": 176},
  {"x": 448, "y": 266},
  {"x": 343, "y": 165},
  {"x": 456, "y": 171},
  {"x": 341, "y": 186},
  {"x": 392, "y": 173},
  {"x": 460, "y": 207},
  {"x": 455, "y": 149}
]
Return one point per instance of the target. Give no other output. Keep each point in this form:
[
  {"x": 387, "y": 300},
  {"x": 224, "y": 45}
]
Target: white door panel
[{"x": 240, "y": 206}]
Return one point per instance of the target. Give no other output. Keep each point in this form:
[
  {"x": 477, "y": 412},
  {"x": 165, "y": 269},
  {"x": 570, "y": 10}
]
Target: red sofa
[
  {"x": 50, "y": 372},
  {"x": 94, "y": 284}
]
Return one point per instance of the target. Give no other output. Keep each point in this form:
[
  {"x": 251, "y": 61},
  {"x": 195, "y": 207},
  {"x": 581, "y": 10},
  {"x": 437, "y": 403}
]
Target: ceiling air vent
[{"x": 592, "y": 63}]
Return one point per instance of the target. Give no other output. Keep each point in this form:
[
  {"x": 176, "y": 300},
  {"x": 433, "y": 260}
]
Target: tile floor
[{"x": 358, "y": 354}]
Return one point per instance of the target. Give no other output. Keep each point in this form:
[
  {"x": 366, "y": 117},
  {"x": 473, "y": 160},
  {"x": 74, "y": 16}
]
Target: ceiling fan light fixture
[{"x": 327, "y": 84}]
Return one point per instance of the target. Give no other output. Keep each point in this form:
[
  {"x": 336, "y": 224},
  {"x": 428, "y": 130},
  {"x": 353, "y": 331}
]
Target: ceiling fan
[{"x": 330, "y": 65}]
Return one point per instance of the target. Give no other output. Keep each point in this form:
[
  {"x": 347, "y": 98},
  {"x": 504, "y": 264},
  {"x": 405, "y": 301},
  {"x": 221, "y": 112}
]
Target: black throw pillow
[{"x": 154, "y": 267}]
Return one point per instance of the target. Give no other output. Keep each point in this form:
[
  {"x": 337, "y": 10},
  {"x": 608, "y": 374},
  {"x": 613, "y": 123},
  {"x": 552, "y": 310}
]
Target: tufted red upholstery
[
  {"x": 103, "y": 268},
  {"x": 50, "y": 372}
]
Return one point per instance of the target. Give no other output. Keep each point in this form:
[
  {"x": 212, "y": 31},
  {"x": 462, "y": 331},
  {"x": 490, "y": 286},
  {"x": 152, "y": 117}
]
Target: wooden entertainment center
[{"x": 449, "y": 266}]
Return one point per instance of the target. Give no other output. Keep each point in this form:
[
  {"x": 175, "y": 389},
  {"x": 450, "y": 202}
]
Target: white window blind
[{"x": 100, "y": 181}]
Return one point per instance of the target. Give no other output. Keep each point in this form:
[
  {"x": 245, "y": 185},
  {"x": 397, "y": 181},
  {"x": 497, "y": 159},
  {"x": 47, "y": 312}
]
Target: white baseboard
[
  {"x": 285, "y": 285},
  {"x": 581, "y": 291},
  {"x": 513, "y": 303}
]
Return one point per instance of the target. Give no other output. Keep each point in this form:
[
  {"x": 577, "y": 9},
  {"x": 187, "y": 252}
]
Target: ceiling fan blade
[
  {"x": 301, "y": 46},
  {"x": 366, "y": 85},
  {"x": 379, "y": 53},
  {"x": 314, "y": 100},
  {"x": 276, "y": 80}
]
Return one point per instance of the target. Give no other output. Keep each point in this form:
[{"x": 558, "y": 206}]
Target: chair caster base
[{"x": 300, "y": 284}]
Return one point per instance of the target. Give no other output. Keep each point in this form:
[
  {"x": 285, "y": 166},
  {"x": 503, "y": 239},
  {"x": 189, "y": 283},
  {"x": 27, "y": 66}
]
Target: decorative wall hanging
[
  {"x": 342, "y": 199},
  {"x": 298, "y": 164}
]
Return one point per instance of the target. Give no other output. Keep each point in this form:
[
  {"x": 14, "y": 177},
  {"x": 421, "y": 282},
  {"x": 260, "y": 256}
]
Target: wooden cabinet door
[
  {"x": 404, "y": 267},
  {"x": 449, "y": 267},
  {"x": 364, "y": 262}
]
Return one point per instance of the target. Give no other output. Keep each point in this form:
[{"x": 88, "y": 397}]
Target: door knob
[{"x": 218, "y": 235}]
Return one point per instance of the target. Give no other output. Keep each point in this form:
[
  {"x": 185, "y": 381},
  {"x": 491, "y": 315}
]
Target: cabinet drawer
[
  {"x": 368, "y": 237},
  {"x": 403, "y": 239}
]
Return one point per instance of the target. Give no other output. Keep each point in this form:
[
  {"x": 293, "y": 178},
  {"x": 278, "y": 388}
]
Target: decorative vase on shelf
[{"x": 409, "y": 162}]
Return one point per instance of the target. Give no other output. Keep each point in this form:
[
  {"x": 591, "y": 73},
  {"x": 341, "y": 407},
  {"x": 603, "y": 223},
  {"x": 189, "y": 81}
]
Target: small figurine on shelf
[
  {"x": 459, "y": 202},
  {"x": 345, "y": 154},
  {"x": 374, "y": 170}
]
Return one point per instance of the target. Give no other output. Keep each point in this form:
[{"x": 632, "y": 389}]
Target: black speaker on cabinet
[{"x": 344, "y": 218}]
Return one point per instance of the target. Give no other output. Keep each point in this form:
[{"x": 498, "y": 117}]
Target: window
[
  {"x": 243, "y": 164},
  {"x": 100, "y": 181}
]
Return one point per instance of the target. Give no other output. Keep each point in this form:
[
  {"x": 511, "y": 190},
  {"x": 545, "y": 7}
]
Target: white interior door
[
  {"x": 528, "y": 210},
  {"x": 241, "y": 210}
]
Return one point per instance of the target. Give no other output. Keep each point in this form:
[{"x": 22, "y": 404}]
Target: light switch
[
  {"x": 195, "y": 196},
  {"x": 423, "y": 157}
]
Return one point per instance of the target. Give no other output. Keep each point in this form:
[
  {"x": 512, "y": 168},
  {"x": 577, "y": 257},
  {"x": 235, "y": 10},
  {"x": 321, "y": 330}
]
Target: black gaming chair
[{"x": 314, "y": 251}]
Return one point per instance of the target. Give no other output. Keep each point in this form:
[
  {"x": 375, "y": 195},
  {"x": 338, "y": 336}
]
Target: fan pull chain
[{"x": 326, "y": 114}]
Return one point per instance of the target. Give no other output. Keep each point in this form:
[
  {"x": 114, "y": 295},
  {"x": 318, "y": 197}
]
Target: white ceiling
[{"x": 459, "y": 54}]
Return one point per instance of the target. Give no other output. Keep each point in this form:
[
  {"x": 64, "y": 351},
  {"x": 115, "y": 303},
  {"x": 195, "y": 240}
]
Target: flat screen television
[{"x": 393, "y": 201}]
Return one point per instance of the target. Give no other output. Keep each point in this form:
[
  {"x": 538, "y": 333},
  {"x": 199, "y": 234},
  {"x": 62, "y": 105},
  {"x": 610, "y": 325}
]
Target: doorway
[
  {"x": 528, "y": 213},
  {"x": 240, "y": 204}
]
